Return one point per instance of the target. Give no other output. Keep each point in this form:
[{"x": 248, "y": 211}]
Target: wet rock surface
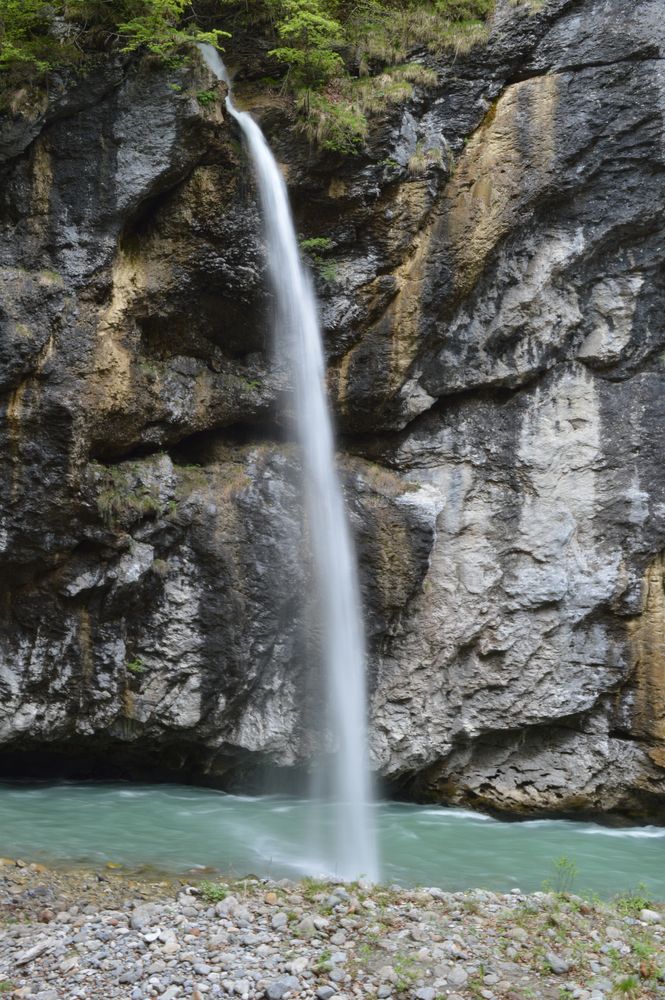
[
  {"x": 494, "y": 336},
  {"x": 92, "y": 934}
]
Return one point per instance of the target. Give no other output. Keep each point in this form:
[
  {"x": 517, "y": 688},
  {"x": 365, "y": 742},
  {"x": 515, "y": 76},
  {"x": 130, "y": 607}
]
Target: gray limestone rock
[
  {"x": 494, "y": 345},
  {"x": 285, "y": 984}
]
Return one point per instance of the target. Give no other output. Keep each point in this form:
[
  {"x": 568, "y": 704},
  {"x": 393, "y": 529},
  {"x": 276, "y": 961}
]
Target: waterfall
[{"x": 298, "y": 339}]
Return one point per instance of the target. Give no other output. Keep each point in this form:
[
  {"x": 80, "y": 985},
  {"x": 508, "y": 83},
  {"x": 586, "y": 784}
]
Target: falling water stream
[{"x": 298, "y": 340}]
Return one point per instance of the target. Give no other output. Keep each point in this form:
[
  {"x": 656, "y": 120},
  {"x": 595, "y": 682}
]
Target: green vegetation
[
  {"x": 629, "y": 904},
  {"x": 312, "y": 249},
  {"x": 341, "y": 61},
  {"x": 323, "y": 962},
  {"x": 423, "y": 159},
  {"x": 565, "y": 875},
  {"x": 6, "y": 986},
  {"x": 348, "y": 61},
  {"x": 212, "y": 892},
  {"x": 332, "y": 125},
  {"x": 407, "y": 971},
  {"x": 627, "y": 987},
  {"x": 531, "y": 6},
  {"x": 578, "y": 926},
  {"x": 310, "y": 35},
  {"x": 311, "y": 887},
  {"x": 42, "y": 35},
  {"x": 136, "y": 667},
  {"x": 126, "y": 493},
  {"x": 337, "y": 119},
  {"x": 206, "y": 97}
]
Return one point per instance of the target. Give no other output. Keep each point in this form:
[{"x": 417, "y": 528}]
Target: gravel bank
[{"x": 104, "y": 934}]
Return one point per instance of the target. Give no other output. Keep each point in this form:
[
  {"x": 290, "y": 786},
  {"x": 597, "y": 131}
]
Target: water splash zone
[{"x": 351, "y": 849}]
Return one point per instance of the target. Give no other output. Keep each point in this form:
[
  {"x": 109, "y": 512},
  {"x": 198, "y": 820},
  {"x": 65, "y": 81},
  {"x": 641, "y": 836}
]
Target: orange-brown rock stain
[
  {"x": 14, "y": 422},
  {"x": 397, "y": 331},
  {"x": 87, "y": 660},
  {"x": 647, "y": 636},
  {"x": 516, "y": 140},
  {"x": 508, "y": 160},
  {"x": 42, "y": 187}
]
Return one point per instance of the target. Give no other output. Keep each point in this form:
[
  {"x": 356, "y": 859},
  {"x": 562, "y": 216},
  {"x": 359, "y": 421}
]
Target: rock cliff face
[{"x": 495, "y": 339}]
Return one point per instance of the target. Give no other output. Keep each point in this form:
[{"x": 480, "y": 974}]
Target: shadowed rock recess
[{"x": 494, "y": 329}]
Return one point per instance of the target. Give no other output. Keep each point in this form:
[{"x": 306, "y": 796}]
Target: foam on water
[
  {"x": 452, "y": 848},
  {"x": 646, "y": 833}
]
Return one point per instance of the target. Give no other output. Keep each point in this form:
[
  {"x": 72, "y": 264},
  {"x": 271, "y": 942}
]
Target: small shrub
[
  {"x": 333, "y": 125},
  {"x": 136, "y": 667},
  {"x": 206, "y": 97},
  {"x": 532, "y": 6},
  {"x": 616, "y": 959},
  {"x": 642, "y": 948},
  {"x": 326, "y": 269},
  {"x": 212, "y": 892},
  {"x": 407, "y": 971},
  {"x": 309, "y": 36},
  {"x": 416, "y": 73},
  {"x": 312, "y": 887},
  {"x": 373, "y": 94},
  {"x": 323, "y": 962},
  {"x": 423, "y": 159},
  {"x": 565, "y": 874},
  {"x": 315, "y": 244},
  {"x": 123, "y": 495},
  {"x": 629, "y": 904},
  {"x": 627, "y": 987},
  {"x": 115, "y": 506}
]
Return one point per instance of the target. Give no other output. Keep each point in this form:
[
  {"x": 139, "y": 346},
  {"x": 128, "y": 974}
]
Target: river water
[{"x": 178, "y": 827}]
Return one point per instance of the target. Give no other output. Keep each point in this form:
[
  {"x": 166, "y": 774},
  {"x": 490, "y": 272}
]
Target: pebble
[
  {"x": 650, "y": 916},
  {"x": 457, "y": 976},
  {"x": 518, "y": 934},
  {"x": 277, "y": 989},
  {"x": 142, "y": 916},
  {"x": 427, "y": 944},
  {"x": 306, "y": 927},
  {"x": 557, "y": 964}
]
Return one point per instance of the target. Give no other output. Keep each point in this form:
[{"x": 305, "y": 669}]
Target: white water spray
[{"x": 298, "y": 336}]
